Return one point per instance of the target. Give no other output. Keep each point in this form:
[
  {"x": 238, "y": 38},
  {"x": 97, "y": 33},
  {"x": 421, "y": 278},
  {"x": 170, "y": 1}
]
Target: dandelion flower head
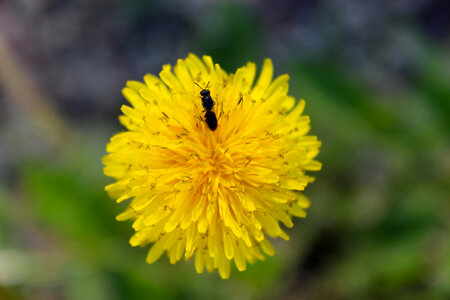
[{"x": 218, "y": 194}]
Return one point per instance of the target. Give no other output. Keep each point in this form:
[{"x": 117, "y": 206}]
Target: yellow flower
[{"x": 216, "y": 194}]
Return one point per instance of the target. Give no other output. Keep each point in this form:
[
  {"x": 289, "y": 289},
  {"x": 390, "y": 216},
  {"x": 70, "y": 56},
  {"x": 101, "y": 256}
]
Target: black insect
[{"x": 208, "y": 105}]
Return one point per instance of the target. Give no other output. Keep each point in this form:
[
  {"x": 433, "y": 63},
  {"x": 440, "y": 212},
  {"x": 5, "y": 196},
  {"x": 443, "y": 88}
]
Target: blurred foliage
[{"x": 378, "y": 227}]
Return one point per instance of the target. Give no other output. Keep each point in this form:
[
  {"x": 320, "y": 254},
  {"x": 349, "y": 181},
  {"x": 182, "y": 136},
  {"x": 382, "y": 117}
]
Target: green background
[{"x": 375, "y": 77}]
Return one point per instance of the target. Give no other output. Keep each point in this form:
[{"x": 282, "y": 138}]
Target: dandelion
[{"x": 213, "y": 194}]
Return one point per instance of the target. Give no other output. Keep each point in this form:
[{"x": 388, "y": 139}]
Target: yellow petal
[{"x": 155, "y": 252}]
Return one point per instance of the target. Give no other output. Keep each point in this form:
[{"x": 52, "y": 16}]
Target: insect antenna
[
  {"x": 198, "y": 85},
  {"x": 201, "y": 87}
]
